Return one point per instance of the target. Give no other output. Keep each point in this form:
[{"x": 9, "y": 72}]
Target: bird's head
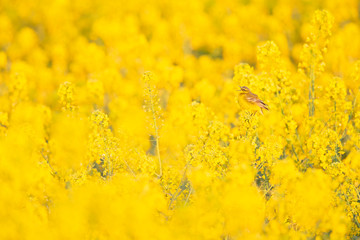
[{"x": 244, "y": 90}]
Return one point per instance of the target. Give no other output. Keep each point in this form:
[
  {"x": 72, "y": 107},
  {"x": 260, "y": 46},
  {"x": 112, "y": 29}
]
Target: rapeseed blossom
[{"x": 122, "y": 120}]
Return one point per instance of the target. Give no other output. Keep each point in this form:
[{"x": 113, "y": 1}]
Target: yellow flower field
[{"x": 122, "y": 119}]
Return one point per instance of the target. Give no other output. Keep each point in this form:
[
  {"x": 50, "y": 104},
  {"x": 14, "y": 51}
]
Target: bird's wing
[{"x": 253, "y": 98}]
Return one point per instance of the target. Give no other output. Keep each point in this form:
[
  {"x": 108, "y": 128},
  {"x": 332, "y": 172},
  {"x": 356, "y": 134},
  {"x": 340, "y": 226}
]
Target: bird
[{"x": 250, "y": 101}]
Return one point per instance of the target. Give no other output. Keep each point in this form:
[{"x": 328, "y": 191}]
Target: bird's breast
[{"x": 245, "y": 104}]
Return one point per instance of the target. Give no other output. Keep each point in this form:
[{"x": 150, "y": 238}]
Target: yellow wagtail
[{"x": 250, "y": 101}]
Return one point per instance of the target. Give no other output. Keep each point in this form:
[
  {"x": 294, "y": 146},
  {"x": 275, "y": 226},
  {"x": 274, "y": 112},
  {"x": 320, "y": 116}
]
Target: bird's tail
[{"x": 263, "y": 105}]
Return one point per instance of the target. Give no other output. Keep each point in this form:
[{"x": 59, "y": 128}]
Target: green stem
[
  {"x": 312, "y": 92},
  {"x": 156, "y": 135},
  {"x": 336, "y": 147}
]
